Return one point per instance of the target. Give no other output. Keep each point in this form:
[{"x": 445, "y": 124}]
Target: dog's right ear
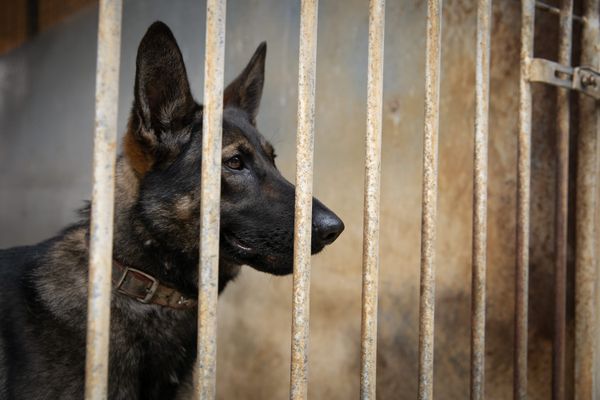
[
  {"x": 163, "y": 105},
  {"x": 245, "y": 91}
]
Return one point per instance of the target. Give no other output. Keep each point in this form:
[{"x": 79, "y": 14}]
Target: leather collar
[{"x": 147, "y": 289}]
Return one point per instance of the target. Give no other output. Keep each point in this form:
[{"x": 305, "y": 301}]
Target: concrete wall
[{"x": 46, "y": 119}]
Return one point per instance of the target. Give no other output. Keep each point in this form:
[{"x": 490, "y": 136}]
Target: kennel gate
[{"x": 584, "y": 79}]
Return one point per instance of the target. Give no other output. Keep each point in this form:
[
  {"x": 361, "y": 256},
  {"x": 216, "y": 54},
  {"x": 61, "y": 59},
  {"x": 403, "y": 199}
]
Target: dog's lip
[{"x": 237, "y": 243}]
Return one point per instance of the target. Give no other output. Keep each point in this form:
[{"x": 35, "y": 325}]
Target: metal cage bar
[
  {"x": 555, "y": 10},
  {"x": 210, "y": 196},
  {"x": 370, "y": 273},
  {"x": 585, "y": 253},
  {"x": 562, "y": 201},
  {"x": 102, "y": 210},
  {"x": 303, "y": 206},
  {"x": 429, "y": 201},
  {"x": 523, "y": 198},
  {"x": 480, "y": 178}
]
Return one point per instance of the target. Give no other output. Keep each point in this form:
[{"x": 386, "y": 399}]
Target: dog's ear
[
  {"x": 163, "y": 105},
  {"x": 246, "y": 90}
]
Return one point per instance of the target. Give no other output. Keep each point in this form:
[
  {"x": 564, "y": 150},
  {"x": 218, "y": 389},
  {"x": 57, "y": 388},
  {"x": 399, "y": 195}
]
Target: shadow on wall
[{"x": 46, "y": 119}]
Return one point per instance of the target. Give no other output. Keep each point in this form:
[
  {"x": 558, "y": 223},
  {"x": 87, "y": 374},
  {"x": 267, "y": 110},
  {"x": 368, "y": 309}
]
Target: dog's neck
[{"x": 134, "y": 245}]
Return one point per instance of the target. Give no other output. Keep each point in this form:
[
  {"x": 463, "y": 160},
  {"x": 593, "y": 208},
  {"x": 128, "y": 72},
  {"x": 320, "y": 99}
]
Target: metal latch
[{"x": 583, "y": 79}]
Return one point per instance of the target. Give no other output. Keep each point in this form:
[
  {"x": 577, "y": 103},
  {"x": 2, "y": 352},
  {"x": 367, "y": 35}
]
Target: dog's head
[{"x": 163, "y": 145}]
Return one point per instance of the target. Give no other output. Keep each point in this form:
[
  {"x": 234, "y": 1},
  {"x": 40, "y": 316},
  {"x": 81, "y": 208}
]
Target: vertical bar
[
  {"x": 429, "y": 212},
  {"x": 585, "y": 257},
  {"x": 523, "y": 196},
  {"x": 370, "y": 274},
  {"x": 555, "y": 10},
  {"x": 101, "y": 225},
  {"x": 480, "y": 177},
  {"x": 303, "y": 213},
  {"x": 210, "y": 195},
  {"x": 562, "y": 199}
]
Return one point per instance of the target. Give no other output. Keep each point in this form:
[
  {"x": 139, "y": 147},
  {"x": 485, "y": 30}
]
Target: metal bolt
[{"x": 588, "y": 80}]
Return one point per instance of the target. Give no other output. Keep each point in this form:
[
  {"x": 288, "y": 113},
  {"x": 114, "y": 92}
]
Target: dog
[{"x": 43, "y": 288}]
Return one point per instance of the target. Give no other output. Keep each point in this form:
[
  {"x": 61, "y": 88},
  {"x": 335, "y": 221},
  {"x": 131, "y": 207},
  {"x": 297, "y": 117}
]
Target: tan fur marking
[
  {"x": 184, "y": 207},
  {"x": 127, "y": 182},
  {"x": 138, "y": 158},
  {"x": 239, "y": 144}
]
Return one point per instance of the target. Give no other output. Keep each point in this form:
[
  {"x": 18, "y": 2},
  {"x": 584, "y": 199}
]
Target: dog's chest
[{"x": 152, "y": 355}]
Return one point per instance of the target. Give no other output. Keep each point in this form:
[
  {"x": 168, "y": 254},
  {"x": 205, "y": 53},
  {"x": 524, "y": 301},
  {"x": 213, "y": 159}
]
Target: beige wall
[{"x": 46, "y": 111}]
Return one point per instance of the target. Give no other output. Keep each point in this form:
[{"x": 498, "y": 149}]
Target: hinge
[{"x": 583, "y": 79}]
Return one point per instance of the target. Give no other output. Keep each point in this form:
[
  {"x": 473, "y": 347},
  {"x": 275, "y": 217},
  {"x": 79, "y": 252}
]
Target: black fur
[{"x": 43, "y": 288}]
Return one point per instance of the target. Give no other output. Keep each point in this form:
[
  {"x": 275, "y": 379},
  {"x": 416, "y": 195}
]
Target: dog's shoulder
[
  {"x": 18, "y": 266},
  {"x": 16, "y": 263},
  {"x": 25, "y": 271},
  {"x": 31, "y": 329}
]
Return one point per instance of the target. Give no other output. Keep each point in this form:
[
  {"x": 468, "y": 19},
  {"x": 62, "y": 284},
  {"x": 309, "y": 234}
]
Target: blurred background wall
[
  {"x": 46, "y": 121},
  {"x": 21, "y": 20}
]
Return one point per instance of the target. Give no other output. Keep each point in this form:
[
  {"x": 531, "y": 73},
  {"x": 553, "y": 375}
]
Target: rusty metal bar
[
  {"x": 102, "y": 210},
  {"x": 429, "y": 212},
  {"x": 523, "y": 198},
  {"x": 370, "y": 274},
  {"x": 210, "y": 196},
  {"x": 480, "y": 178},
  {"x": 585, "y": 224},
  {"x": 556, "y": 10},
  {"x": 562, "y": 201},
  {"x": 303, "y": 213}
]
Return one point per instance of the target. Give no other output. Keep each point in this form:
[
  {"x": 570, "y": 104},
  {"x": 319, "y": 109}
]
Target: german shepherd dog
[{"x": 43, "y": 288}]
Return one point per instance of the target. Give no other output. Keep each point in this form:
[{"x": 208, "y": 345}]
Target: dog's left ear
[
  {"x": 163, "y": 105},
  {"x": 245, "y": 91}
]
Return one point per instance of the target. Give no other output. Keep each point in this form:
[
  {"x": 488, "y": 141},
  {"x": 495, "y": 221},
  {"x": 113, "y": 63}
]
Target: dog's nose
[{"x": 327, "y": 227}]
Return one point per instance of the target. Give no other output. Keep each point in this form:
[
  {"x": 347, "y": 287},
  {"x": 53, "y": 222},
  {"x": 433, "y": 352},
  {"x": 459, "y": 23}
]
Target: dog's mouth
[
  {"x": 239, "y": 244},
  {"x": 244, "y": 253}
]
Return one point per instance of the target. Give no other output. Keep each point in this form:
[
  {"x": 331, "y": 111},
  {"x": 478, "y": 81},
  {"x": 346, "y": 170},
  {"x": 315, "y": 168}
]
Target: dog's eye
[{"x": 235, "y": 163}]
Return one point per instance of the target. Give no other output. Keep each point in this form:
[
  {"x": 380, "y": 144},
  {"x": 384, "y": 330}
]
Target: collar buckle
[{"x": 150, "y": 289}]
